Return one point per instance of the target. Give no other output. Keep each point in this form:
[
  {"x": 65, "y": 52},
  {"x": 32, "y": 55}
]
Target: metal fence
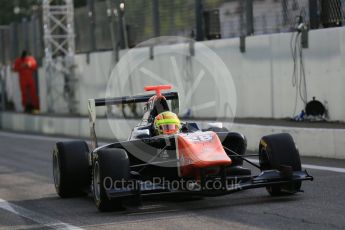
[
  {"x": 102, "y": 25},
  {"x": 141, "y": 20},
  {"x": 16, "y": 37}
]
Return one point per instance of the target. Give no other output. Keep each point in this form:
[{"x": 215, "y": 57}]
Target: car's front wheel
[
  {"x": 110, "y": 168},
  {"x": 276, "y": 151}
]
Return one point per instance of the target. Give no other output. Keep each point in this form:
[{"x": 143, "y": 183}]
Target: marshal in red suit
[{"x": 26, "y": 65}]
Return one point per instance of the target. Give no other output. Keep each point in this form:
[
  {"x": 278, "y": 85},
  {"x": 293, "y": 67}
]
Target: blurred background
[
  {"x": 278, "y": 49},
  {"x": 22, "y": 26},
  {"x": 22, "y": 22}
]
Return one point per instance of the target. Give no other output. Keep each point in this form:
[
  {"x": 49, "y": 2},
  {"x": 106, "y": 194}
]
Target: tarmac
[{"x": 28, "y": 199}]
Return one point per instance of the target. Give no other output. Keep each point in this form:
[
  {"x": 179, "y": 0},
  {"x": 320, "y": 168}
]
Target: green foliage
[{"x": 7, "y": 15}]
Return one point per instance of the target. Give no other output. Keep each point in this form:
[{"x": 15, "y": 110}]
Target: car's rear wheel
[
  {"x": 71, "y": 170},
  {"x": 277, "y": 151},
  {"x": 109, "y": 166}
]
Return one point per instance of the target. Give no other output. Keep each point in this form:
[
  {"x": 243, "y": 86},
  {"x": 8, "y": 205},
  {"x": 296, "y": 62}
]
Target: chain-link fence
[
  {"x": 17, "y": 37},
  {"x": 141, "y": 20},
  {"x": 105, "y": 25},
  {"x": 247, "y": 17},
  {"x": 145, "y": 19},
  {"x": 332, "y": 12}
]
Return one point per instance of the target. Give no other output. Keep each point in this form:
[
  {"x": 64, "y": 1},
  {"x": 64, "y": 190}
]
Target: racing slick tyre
[
  {"x": 110, "y": 166},
  {"x": 277, "y": 151},
  {"x": 71, "y": 170}
]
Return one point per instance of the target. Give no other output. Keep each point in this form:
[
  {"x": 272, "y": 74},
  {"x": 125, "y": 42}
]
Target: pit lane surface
[{"x": 28, "y": 199}]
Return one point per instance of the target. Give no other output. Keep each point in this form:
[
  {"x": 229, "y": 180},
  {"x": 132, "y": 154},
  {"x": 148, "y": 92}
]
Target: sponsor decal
[
  {"x": 164, "y": 154},
  {"x": 198, "y": 137},
  {"x": 263, "y": 143}
]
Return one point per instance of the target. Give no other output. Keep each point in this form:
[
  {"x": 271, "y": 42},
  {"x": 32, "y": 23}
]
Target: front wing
[{"x": 226, "y": 185}]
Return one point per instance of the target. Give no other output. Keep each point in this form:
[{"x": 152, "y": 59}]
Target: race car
[{"x": 183, "y": 160}]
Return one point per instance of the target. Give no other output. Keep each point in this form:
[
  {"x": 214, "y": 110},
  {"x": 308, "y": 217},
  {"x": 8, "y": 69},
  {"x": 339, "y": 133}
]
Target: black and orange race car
[{"x": 192, "y": 162}]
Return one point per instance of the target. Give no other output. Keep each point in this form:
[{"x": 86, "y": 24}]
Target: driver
[{"x": 167, "y": 123}]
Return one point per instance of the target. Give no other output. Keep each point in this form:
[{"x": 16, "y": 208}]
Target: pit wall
[
  {"x": 327, "y": 143},
  {"x": 262, "y": 75}
]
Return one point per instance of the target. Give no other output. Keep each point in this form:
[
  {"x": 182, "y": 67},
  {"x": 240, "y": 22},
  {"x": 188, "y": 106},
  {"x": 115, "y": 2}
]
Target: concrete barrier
[
  {"x": 328, "y": 143},
  {"x": 262, "y": 75},
  {"x": 317, "y": 142}
]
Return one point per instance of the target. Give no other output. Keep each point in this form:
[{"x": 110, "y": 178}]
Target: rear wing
[
  {"x": 93, "y": 103},
  {"x": 131, "y": 99}
]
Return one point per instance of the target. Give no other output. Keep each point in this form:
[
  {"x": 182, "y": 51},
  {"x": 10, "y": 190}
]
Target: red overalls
[{"x": 25, "y": 68}]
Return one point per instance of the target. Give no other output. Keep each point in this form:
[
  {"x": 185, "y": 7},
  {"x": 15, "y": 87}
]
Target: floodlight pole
[{"x": 59, "y": 41}]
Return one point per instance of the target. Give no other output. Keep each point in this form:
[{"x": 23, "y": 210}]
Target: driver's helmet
[{"x": 167, "y": 123}]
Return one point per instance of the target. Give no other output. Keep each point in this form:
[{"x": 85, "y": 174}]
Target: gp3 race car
[{"x": 191, "y": 162}]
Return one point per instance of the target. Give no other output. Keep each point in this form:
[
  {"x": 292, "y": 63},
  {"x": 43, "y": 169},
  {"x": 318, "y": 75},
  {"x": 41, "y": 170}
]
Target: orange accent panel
[{"x": 200, "y": 150}]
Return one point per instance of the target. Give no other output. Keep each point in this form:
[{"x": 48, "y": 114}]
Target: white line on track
[
  {"x": 324, "y": 168},
  {"x": 35, "y": 217},
  {"x": 47, "y": 138},
  {"x": 317, "y": 167}
]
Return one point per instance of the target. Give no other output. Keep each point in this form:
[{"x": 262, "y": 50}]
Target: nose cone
[{"x": 200, "y": 150}]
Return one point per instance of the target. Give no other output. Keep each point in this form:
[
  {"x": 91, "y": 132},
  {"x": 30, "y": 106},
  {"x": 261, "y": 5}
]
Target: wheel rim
[
  {"x": 56, "y": 169},
  {"x": 96, "y": 181}
]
